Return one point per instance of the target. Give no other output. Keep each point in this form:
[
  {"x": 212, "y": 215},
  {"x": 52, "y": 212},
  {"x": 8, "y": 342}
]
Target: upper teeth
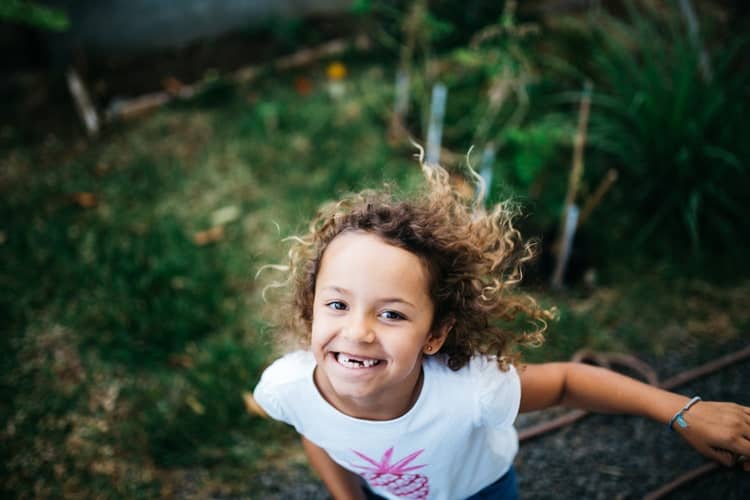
[{"x": 356, "y": 363}]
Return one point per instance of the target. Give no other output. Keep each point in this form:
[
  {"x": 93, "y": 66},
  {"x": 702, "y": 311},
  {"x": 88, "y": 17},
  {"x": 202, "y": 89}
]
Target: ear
[{"x": 437, "y": 337}]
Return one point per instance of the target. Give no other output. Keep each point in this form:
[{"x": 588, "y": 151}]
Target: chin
[{"x": 350, "y": 391}]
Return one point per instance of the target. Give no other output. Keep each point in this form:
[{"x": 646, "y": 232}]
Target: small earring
[{"x": 428, "y": 349}]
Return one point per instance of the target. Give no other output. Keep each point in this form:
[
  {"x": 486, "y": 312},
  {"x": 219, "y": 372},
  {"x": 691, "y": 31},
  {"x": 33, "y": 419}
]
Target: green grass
[{"x": 127, "y": 346}]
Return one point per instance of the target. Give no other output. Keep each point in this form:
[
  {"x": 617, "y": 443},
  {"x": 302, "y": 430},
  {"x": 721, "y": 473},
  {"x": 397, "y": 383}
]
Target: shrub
[{"x": 677, "y": 136}]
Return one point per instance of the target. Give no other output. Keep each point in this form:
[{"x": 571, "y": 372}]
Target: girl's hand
[{"x": 720, "y": 431}]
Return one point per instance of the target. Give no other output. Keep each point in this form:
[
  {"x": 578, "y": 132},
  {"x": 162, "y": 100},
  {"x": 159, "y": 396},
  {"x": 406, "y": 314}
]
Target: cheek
[
  {"x": 408, "y": 346},
  {"x": 318, "y": 331},
  {"x": 317, "y": 344},
  {"x": 314, "y": 330}
]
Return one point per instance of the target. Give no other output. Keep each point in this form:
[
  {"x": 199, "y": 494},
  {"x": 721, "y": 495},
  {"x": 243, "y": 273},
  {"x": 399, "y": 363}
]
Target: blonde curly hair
[{"x": 474, "y": 258}]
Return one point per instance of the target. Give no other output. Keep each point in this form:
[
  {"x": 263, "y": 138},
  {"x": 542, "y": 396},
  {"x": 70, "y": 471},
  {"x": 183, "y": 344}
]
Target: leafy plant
[
  {"x": 529, "y": 167},
  {"x": 30, "y": 13},
  {"x": 677, "y": 135},
  {"x": 510, "y": 114}
]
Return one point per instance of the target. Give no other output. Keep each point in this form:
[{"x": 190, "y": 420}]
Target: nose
[{"x": 358, "y": 329}]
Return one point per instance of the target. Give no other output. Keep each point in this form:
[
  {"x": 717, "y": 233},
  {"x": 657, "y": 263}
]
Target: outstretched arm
[
  {"x": 720, "y": 431},
  {"x": 341, "y": 484}
]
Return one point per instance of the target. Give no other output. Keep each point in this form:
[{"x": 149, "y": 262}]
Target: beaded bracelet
[{"x": 678, "y": 416}]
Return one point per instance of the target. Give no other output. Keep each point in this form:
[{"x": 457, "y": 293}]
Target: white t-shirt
[{"x": 456, "y": 439}]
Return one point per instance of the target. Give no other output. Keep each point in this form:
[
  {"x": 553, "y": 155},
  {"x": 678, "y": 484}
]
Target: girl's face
[{"x": 372, "y": 315}]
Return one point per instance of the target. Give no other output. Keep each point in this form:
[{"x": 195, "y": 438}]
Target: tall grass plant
[{"x": 676, "y": 135}]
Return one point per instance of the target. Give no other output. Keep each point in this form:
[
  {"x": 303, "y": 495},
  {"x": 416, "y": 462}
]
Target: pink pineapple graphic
[{"x": 395, "y": 477}]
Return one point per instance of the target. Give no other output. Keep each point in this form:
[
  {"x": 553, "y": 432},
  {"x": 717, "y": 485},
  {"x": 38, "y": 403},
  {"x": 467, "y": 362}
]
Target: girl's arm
[
  {"x": 341, "y": 484},
  {"x": 720, "y": 431}
]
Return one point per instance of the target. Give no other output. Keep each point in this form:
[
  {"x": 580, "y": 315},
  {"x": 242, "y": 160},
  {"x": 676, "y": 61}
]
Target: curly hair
[{"x": 473, "y": 257}]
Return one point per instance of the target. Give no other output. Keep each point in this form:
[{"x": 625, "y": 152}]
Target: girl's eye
[
  {"x": 392, "y": 315},
  {"x": 336, "y": 305}
]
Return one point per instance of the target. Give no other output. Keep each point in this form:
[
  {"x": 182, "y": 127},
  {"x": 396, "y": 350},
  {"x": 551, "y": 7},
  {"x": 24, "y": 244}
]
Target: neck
[{"x": 387, "y": 407}]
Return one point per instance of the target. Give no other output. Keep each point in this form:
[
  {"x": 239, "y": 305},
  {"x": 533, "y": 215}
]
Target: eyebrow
[{"x": 387, "y": 300}]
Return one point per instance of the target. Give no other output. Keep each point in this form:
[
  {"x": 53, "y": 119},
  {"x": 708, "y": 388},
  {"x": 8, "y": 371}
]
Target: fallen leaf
[
  {"x": 212, "y": 235},
  {"x": 181, "y": 360},
  {"x": 252, "y": 406},
  {"x": 85, "y": 199},
  {"x": 195, "y": 405},
  {"x": 303, "y": 85}
]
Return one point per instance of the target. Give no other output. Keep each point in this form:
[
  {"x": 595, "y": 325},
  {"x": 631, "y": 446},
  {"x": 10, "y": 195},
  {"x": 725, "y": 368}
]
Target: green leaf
[{"x": 32, "y": 14}]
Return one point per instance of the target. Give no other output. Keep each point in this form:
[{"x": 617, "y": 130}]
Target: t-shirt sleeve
[
  {"x": 267, "y": 392},
  {"x": 499, "y": 392}
]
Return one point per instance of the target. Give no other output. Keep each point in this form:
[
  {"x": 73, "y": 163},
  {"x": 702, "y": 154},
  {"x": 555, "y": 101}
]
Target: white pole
[
  {"x": 401, "y": 104},
  {"x": 571, "y": 221},
  {"x": 485, "y": 171},
  {"x": 435, "y": 130},
  {"x": 84, "y": 106}
]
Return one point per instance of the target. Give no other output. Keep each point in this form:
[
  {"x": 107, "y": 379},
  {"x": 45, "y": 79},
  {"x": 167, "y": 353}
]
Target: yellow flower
[{"x": 336, "y": 71}]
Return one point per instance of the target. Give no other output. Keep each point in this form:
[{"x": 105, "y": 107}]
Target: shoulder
[
  {"x": 284, "y": 376},
  {"x": 487, "y": 366},
  {"x": 288, "y": 368},
  {"x": 496, "y": 393},
  {"x": 479, "y": 367},
  {"x": 491, "y": 380}
]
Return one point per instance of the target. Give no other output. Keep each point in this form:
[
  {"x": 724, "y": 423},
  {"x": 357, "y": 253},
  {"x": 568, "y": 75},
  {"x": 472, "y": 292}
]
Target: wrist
[
  {"x": 660, "y": 405},
  {"x": 678, "y": 419}
]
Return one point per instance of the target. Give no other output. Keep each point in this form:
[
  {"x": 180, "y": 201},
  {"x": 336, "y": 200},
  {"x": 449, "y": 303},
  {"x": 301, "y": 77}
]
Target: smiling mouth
[{"x": 354, "y": 362}]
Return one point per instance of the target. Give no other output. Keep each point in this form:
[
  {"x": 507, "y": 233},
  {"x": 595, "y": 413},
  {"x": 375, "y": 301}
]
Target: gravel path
[
  {"x": 599, "y": 457},
  {"x": 608, "y": 456}
]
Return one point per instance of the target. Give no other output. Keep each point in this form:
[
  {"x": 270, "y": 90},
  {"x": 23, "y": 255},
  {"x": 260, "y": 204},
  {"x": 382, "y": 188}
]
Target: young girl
[{"x": 409, "y": 385}]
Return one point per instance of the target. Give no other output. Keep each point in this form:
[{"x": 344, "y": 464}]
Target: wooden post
[
  {"x": 593, "y": 201},
  {"x": 570, "y": 210}
]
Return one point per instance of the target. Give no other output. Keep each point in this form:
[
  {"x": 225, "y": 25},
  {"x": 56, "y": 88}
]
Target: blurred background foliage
[
  {"x": 34, "y": 14},
  {"x": 132, "y": 323},
  {"x": 674, "y": 130}
]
